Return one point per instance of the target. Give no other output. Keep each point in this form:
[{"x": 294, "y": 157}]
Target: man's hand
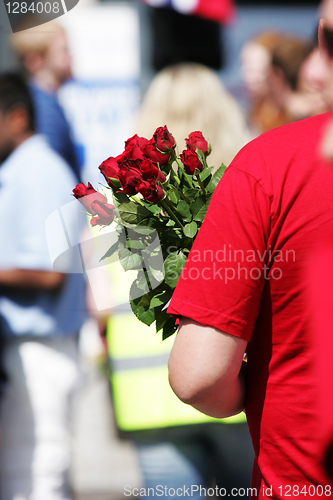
[
  {"x": 31, "y": 279},
  {"x": 205, "y": 369}
]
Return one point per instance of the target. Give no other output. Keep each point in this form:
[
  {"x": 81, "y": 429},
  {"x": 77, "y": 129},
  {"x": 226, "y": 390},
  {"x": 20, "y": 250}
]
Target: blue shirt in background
[
  {"x": 39, "y": 222},
  {"x": 52, "y": 123}
]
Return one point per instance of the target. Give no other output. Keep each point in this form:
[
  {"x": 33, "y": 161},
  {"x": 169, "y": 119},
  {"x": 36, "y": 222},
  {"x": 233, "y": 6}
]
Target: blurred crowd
[{"x": 44, "y": 297}]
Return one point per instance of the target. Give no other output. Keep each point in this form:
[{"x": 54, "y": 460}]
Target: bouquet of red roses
[{"x": 160, "y": 200}]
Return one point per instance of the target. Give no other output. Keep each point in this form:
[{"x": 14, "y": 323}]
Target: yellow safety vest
[{"x": 142, "y": 396}]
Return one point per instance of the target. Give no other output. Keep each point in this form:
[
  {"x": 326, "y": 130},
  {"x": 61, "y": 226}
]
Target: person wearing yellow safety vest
[{"x": 181, "y": 451}]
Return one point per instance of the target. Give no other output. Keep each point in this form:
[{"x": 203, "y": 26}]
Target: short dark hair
[{"x": 14, "y": 92}]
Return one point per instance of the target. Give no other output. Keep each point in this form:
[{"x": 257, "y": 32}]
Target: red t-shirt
[
  {"x": 321, "y": 305},
  {"x": 246, "y": 276}
]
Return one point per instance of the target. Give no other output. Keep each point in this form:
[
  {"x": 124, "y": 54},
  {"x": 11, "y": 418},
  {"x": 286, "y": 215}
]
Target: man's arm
[
  {"x": 205, "y": 369},
  {"x": 30, "y": 279}
]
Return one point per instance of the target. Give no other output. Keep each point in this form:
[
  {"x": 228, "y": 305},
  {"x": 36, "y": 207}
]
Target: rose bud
[
  {"x": 110, "y": 170},
  {"x": 150, "y": 191},
  {"x": 135, "y": 141},
  {"x": 191, "y": 161},
  {"x": 151, "y": 152},
  {"x": 197, "y": 140},
  {"x": 163, "y": 139},
  {"x": 129, "y": 178},
  {"x": 151, "y": 171},
  {"x": 104, "y": 211},
  {"x": 95, "y": 203}
]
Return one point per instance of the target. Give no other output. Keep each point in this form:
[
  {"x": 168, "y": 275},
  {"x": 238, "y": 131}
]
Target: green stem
[
  {"x": 201, "y": 185},
  {"x": 184, "y": 173},
  {"x": 137, "y": 200},
  {"x": 164, "y": 203},
  {"x": 174, "y": 176}
]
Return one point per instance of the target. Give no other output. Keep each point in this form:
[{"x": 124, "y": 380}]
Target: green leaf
[
  {"x": 157, "y": 274},
  {"x": 155, "y": 209},
  {"x": 115, "y": 183},
  {"x": 110, "y": 252},
  {"x": 169, "y": 327},
  {"x": 141, "y": 283},
  {"x": 199, "y": 217},
  {"x": 191, "y": 193},
  {"x": 173, "y": 196},
  {"x": 173, "y": 266},
  {"x": 205, "y": 173},
  {"x": 140, "y": 305},
  {"x": 160, "y": 299},
  {"x": 183, "y": 209},
  {"x": 190, "y": 230},
  {"x": 217, "y": 176},
  {"x": 161, "y": 320},
  {"x": 133, "y": 213},
  {"x": 197, "y": 204},
  {"x": 120, "y": 198},
  {"x": 146, "y": 316},
  {"x": 128, "y": 259}
]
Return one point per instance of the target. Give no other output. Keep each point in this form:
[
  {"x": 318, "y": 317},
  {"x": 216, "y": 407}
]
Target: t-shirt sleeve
[{"x": 223, "y": 279}]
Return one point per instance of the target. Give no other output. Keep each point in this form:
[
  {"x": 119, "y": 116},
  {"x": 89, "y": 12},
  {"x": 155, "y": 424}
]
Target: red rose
[
  {"x": 151, "y": 171},
  {"x": 95, "y": 203},
  {"x": 131, "y": 153},
  {"x": 129, "y": 178},
  {"x": 150, "y": 191},
  {"x": 197, "y": 140},
  {"x": 191, "y": 161},
  {"x": 163, "y": 139},
  {"x": 151, "y": 152},
  {"x": 135, "y": 141},
  {"x": 110, "y": 168}
]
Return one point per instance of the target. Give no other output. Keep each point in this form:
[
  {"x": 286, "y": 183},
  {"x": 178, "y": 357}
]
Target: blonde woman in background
[{"x": 189, "y": 97}]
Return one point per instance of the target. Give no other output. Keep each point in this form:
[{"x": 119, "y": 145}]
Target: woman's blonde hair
[{"x": 190, "y": 97}]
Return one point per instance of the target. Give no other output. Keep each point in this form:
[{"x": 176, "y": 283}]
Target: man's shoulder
[
  {"x": 295, "y": 134},
  {"x": 292, "y": 146}
]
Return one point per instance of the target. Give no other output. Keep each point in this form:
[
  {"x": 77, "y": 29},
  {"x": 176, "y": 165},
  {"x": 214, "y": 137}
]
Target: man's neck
[{"x": 46, "y": 81}]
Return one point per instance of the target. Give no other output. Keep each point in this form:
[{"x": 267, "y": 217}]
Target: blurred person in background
[
  {"x": 287, "y": 83},
  {"x": 189, "y": 97},
  {"x": 272, "y": 68},
  {"x": 41, "y": 310},
  {"x": 255, "y": 58},
  {"x": 44, "y": 54},
  {"x": 177, "y": 446}
]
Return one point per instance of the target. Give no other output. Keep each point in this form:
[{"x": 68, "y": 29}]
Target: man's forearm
[{"x": 30, "y": 279}]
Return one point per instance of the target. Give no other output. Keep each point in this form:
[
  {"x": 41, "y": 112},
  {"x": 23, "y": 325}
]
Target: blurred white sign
[
  {"x": 104, "y": 41},
  {"x": 101, "y": 102}
]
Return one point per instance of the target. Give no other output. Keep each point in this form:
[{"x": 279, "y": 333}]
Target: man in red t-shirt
[{"x": 245, "y": 285}]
